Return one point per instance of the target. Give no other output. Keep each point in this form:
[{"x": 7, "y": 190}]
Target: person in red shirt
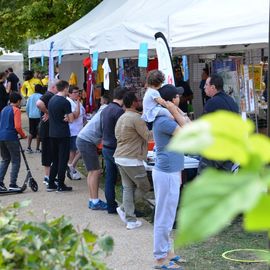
[{"x": 10, "y": 127}]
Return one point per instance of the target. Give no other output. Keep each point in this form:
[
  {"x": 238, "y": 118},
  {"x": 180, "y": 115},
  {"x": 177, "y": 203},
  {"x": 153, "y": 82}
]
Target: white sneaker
[
  {"x": 75, "y": 175},
  {"x": 121, "y": 214},
  {"x": 134, "y": 224}
]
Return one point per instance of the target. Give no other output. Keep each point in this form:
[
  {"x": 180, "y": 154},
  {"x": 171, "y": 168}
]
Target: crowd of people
[{"x": 124, "y": 126}]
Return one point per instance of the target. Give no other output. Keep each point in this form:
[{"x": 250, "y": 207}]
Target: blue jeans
[
  {"x": 10, "y": 151},
  {"x": 110, "y": 178}
]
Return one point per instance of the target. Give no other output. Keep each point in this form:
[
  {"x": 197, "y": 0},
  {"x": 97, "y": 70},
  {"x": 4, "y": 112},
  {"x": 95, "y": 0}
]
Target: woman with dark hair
[{"x": 28, "y": 87}]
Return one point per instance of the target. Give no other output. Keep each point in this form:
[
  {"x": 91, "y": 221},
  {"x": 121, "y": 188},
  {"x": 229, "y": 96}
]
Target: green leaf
[
  {"x": 192, "y": 138},
  {"x": 89, "y": 236},
  {"x": 220, "y": 136},
  {"x": 212, "y": 200},
  {"x": 258, "y": 218},
  {"x": 260, "y": 146},
  {"x": 106, "y": 243}
]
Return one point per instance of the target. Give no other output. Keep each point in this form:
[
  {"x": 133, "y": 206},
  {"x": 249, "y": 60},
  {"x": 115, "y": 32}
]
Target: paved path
[{"x": 132, "y": 250}]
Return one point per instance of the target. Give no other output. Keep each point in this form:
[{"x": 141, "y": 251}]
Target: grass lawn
[{"x": 208, "y": 255}]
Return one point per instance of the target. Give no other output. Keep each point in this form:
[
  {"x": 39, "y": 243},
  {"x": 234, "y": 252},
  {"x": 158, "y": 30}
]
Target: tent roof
[
  {"x": 11, "y": 57},
  {"x": 217, "y": 23},
  {"x": 116, "y": 28}
]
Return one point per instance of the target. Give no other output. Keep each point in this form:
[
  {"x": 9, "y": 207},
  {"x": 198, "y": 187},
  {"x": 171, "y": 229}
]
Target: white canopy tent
[
  {"x": 14, "y": 60},
  {"x": 122, "y": 32},
  {"x": 116, "y": 28}
]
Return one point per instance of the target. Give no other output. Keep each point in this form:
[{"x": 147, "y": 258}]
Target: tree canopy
[{"x": 38, "y": 19}]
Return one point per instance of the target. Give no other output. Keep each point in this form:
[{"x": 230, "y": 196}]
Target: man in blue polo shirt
[{"x": 219, "y": 100}]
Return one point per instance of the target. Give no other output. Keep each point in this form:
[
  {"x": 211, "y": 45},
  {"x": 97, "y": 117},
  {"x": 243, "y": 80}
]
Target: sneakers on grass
[
  {"x": 100, "y": 205},
  {"x": 134, "y": 224},
  {"x": 14, "y": 187},
  {"x": 121, "y": 214}
]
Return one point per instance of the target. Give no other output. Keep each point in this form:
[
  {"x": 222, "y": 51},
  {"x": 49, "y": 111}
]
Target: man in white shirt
[{"x": 75, "y": 127}]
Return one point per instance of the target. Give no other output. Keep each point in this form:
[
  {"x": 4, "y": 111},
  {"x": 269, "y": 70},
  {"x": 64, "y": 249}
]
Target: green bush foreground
[{"x": 52, "y": 244}]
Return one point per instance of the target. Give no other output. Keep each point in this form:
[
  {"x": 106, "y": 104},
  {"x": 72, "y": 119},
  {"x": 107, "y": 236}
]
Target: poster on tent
[
  {"x": 248, "y": 99},
  {"x": 132, "y": 73},
  {"x": 227, "y": 69},
  {"x": 255, "y": 72}
]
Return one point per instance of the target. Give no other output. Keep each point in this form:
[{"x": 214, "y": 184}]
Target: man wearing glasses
[{"x": 74, "y": 127}]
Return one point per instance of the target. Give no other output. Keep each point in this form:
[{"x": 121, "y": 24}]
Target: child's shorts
[{"x": 33, "y": 126}]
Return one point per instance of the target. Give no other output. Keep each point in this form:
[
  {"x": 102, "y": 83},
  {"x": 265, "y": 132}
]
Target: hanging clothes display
[
  {"x": 107, "y": 71},
  {"x": 90, "y": 99}
]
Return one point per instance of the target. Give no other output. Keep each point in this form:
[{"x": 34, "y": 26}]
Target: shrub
[{"x": 52, "y": 244}]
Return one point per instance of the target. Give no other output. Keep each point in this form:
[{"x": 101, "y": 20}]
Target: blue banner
[
  {"x": 143, "y": 55},
  {"x": 95, "y": 61},
  {"x": 51, "y": 63},
  {"x": 121, "y": 72},
  {"x": 185, "y": 67},
  {"x": 60, "y": 52},
  {"x": 42, "y": 60}
]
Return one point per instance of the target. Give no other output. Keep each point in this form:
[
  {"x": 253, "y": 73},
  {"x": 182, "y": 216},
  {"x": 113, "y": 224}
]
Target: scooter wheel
[{"x": 33, "y": 185}]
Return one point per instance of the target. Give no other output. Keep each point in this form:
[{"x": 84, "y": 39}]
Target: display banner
[
  {"x": 95, "y": 61},
  {"x": 51, "y": 63},
  {"x": 42, "y": 60},
  {"x": 185, "y": 67},
  {"x": 143, "y": 55},
  {"x": 60, "y": 52}
]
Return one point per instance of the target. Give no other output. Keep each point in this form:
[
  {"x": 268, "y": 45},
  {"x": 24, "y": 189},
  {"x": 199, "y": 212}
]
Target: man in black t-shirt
[
  {"x": 42, "y": 104},
  {"x": 60, "y": 115},
  {"x": 12, "y": 81}
]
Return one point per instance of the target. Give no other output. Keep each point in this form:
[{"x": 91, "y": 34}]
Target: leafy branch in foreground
[
  {"x": 214, "y": 198},
  {"x": 53, "y": 244}
]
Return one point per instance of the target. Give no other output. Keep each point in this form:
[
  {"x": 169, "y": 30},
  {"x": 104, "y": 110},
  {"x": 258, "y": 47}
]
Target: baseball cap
[{"x": 169, "y": 91}]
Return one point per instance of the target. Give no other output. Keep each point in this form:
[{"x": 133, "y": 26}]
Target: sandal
[
  {"x": 169, "y": 265},
  {"x": 177, "y": 259}
]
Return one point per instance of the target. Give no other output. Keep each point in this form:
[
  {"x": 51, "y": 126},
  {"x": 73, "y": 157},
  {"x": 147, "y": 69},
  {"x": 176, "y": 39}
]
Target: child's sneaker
[
  {"x": 38, "y": 151},
  {"x": 46, "y": 180},
  {"x": 29, "y": 151},
  {"x": 3, "y": 187},
  {"x": 14, "y": 187}
]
